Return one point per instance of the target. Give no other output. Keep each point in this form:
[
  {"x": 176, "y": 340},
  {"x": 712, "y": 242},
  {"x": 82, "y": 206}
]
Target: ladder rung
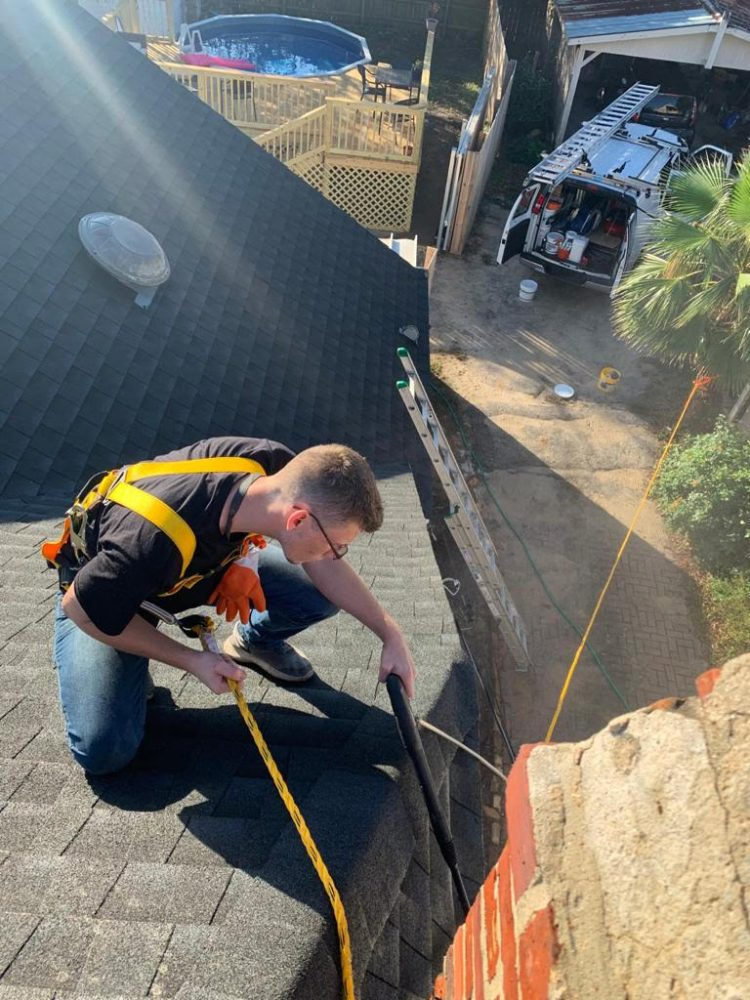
[{"x": 588, "y": 137}]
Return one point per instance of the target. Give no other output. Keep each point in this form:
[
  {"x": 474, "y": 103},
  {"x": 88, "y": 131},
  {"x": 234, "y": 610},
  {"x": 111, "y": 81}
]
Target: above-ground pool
[{"x": 273, "y": 43}]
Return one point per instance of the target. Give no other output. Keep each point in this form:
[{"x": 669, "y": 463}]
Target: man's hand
[
  {"x": 213, "y": 669},
  {"x": 337, "y": 581},
  {"x": 396, "y": 659}
]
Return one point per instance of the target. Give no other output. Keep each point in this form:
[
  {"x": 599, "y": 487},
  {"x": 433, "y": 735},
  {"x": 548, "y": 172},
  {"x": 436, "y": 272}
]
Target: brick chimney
[{"x": 626, "y": 873}]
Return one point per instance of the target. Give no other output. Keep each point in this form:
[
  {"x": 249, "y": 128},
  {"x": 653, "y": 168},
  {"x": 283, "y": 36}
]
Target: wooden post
[
  {"x": 170, "y": 32},
  {"x": 327, "y": 144},
  {"x": 465, "y": 194},
  {"x": 424, "y": 83},
  {"x": 575, "y": 71}
]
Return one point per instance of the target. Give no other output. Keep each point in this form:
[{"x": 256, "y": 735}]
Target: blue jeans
[{"x": 103, "y": 691}]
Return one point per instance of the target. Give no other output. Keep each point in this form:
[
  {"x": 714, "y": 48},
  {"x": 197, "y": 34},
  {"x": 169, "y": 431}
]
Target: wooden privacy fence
[
  {"x": 468, "y": 173},
  {"x": 460, "y": 15},
  {"x": 147, "y": 17},
  {"x": 471, "y": 162},
  {"x": 362, "y": 156}
]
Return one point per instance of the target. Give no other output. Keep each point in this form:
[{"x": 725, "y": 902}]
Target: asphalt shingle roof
[
  {"x": 738, "y": 10},
  {"x": 281, "y": 316},
  {"x": 182, "y": 877}
]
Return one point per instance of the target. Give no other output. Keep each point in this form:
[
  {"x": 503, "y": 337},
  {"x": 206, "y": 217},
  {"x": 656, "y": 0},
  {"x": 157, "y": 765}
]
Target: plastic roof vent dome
[{"x": 127, "y": 251}]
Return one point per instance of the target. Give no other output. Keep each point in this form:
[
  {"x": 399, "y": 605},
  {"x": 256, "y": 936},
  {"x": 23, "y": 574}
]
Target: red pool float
[{"x": 203, "y": 59}]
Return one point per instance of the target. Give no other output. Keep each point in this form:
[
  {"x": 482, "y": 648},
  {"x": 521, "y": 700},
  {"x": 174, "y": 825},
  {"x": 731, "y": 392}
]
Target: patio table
[{"x": 390, "y": 77}]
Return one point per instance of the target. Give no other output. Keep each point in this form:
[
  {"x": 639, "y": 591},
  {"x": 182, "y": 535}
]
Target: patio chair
[
  {"x": 370, "y": 86},
  {"x": 413, "y": 85}
]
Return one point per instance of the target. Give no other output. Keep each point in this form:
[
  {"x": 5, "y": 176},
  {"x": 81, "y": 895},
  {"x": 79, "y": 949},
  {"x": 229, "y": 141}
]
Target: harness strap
[
  {"x": 228, "y": 463},
  {"x": 116, "y": 486},
  {"x": 190, "y": 581},
  {"x": 160, "y": 515}
]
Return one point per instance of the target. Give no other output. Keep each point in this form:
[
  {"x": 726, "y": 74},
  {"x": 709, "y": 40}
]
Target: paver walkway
[{"x": 569, "y": 477}]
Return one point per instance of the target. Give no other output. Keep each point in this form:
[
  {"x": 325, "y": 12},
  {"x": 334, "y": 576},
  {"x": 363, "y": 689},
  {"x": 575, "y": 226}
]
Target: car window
[{"x": 669, "y": 104}]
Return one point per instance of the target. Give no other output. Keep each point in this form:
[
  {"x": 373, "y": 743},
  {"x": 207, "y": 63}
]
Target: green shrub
[
  {"x": 530, "y": 105},
  {"x": 704, "y": 493},
  {"x": 526, "y": 150},
  {"x": 726, "y": 603}
]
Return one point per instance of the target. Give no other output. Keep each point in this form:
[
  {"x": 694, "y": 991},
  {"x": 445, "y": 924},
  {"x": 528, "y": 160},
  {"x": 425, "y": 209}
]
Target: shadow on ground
[{"x": 646, "y": 634}]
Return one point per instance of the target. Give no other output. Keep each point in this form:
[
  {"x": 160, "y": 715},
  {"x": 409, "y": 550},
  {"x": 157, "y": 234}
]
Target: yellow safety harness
[{"x": 117, "y": 487}]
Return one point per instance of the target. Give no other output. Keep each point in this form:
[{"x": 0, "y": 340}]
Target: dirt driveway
[{"x": 568, "y": 476}]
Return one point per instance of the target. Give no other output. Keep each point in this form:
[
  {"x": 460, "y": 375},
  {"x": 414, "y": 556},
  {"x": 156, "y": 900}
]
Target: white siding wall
[{"x": 734, "y": 52}]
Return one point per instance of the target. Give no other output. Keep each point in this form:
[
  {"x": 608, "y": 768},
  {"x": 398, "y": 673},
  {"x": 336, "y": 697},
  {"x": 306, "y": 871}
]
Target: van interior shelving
[{"x": 600, "y": 217}]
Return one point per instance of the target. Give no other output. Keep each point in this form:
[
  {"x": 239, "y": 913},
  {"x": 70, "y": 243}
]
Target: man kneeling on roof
[{"x": 190, "y": 533}]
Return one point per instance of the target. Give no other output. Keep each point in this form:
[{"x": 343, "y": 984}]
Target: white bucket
[
  {"x": 578, "y": 246},
  {"x": 553, "y": 242},
  {"x": 527, "y": 290}
]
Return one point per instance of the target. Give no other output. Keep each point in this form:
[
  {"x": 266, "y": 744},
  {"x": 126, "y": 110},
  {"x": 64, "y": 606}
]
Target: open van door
[
  {"x": 716, "y": 153},
  {"x": 703, "y": 154},
  {"x": 627, "y": 250},
  {"x": 517, "y": 227}
]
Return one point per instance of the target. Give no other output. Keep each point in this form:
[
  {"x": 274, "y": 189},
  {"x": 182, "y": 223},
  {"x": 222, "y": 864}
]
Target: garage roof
[
  {"x": 586, "y": 18},
  {"x": 739, "y": 13},
  {"x": 589, "y": 18}
]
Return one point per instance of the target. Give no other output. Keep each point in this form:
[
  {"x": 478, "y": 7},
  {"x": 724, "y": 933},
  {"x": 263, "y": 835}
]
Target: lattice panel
[
  {"x": 311, "y": 169},
  {"x": 376, "y": 198}
]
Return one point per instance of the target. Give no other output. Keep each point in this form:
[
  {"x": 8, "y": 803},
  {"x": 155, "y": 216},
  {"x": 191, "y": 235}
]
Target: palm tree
[{"x": 687, "y": 300}]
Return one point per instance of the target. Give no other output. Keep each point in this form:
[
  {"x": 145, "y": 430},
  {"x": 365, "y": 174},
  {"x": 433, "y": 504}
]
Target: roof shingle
[{"x": 281, "y": 315}]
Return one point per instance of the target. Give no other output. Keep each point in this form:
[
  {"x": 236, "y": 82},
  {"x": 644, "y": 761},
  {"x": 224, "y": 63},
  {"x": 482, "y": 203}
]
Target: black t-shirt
[{"x": 135, "y": 561}]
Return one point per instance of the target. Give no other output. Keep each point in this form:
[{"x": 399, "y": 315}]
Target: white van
[{"x": 585, "y": 210}]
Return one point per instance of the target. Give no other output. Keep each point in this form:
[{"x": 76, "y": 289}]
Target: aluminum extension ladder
[
  {"x": 464, "y": 521},
  {"x": 585, "y": 141}
]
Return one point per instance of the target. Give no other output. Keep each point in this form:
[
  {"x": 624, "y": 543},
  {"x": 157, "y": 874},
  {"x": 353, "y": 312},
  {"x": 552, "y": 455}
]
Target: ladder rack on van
[{"x": 554, "y": 167}]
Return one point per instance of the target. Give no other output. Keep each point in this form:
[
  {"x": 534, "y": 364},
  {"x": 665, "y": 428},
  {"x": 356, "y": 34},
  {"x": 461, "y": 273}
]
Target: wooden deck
[
  {"x": 162, "y": 50},
  {"x": 363, "y": 155}
]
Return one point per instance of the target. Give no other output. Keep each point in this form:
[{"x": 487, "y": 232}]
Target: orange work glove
[{"x": 239, "y": 590}]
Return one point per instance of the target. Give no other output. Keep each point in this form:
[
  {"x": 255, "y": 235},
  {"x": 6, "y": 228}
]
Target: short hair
[{"x": 338, "y": 484}]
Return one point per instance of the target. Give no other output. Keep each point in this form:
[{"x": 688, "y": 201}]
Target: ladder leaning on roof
[
  {"x": 584, "y": 142},
  {"x": 464, "y": 521}
]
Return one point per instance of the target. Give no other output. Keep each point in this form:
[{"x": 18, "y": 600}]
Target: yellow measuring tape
[
  {"x": 303, "y": 830},
  {"x": 699, "y": 383}
]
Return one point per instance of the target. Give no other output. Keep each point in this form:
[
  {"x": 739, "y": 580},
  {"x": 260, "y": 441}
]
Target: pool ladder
[{"x": 190, "y": 41}]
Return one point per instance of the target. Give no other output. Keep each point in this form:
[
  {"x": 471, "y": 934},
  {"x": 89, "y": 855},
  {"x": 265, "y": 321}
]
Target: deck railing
[
  {"x": 253, "y": 102},
  {"x": 378, "y": 131},
  {"x": 302, "y": 137},
  {"x": 362, "y": 155}
]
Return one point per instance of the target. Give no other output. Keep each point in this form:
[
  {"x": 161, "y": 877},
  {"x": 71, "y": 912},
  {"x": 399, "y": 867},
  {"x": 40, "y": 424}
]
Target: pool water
[
  {"x": 276, "y": 44},
  {"x": 285, "y": 54}
]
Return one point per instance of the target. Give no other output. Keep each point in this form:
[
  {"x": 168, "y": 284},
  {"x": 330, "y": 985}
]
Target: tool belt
[{"x": 71, "y": 550}]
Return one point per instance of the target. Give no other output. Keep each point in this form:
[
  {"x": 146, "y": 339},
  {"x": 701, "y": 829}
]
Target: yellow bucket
[{"x": 608, "y": 378}]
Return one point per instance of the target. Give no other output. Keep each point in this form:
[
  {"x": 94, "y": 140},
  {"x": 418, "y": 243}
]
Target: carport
[{"x": 705, "y": 33}]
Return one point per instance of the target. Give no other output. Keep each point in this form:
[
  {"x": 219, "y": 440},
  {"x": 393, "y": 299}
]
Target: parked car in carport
[{"x": 675, "y": 113}]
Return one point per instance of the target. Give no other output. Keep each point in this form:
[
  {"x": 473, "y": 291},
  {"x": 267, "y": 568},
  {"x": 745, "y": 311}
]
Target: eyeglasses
[{"x": 339, "y": 551}]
